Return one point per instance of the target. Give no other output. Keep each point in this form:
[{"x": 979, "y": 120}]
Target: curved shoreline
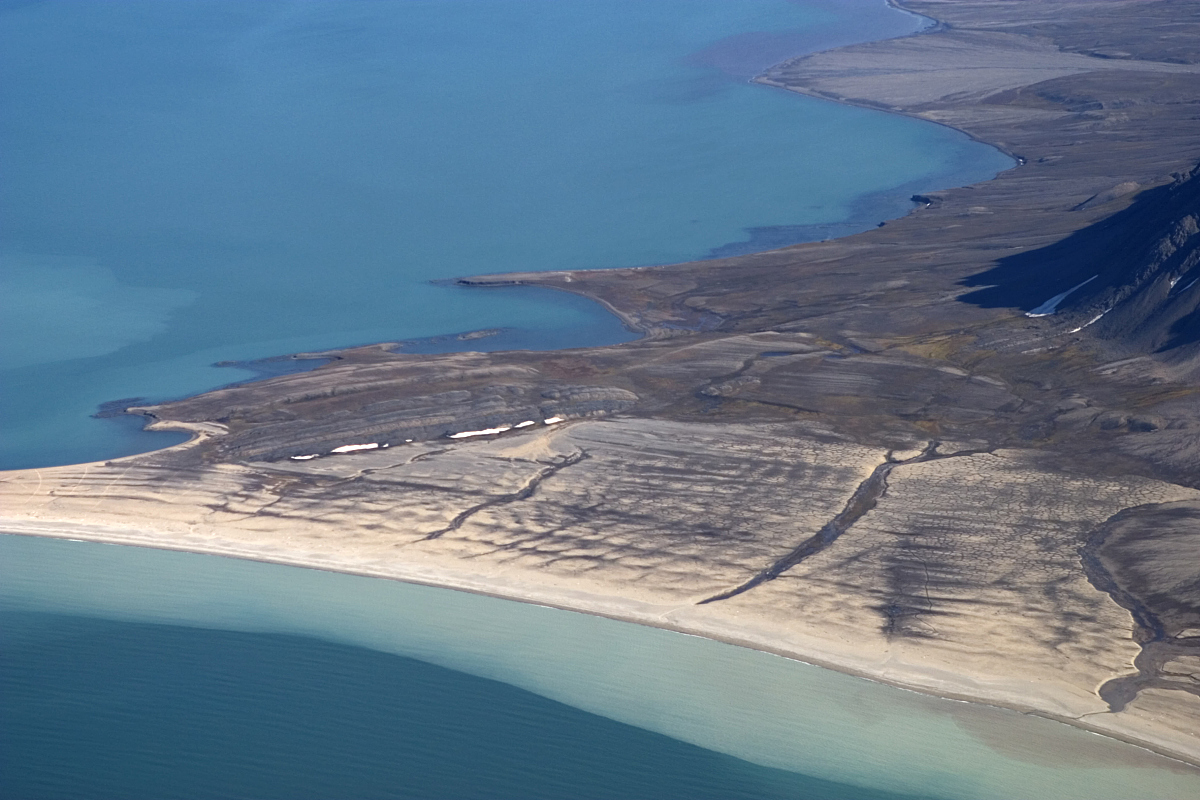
[
  {"x": 630, "y": 616},
  {"x": 934, "y": 26},
  {"x": 610, "y": 607},
  {"x": 560, "y": 280},
  {"x": 763, "y": 80}
]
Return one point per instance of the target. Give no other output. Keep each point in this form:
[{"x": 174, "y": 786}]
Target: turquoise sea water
[
  {"x": 203, "y": 181},
  {"x": 291, "y": 717},
  {"x": 183, "y": 183},
  {"x": 135, "y": 673}
]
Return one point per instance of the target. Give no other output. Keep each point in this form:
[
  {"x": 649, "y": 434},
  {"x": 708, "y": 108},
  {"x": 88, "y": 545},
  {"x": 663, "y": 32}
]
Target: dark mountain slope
[{"x": 1132, "y": 278}]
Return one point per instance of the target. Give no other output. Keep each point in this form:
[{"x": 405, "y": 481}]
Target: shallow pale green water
[
  {"x": 192, "y": 182},
  {"x": 216, "y": 180},
  {"x": 763, "y": 709}
]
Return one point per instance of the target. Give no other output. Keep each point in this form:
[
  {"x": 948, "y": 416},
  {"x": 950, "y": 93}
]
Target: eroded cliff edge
[{"x": 863, "y": 452}]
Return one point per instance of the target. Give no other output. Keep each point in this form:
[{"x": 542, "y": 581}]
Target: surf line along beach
[{"x": 821, "y": 466}]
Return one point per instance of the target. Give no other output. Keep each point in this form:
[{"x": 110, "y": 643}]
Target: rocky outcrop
[
  {"x": 1132, "y": 279},
  {"x": 1148, "y": 292}
]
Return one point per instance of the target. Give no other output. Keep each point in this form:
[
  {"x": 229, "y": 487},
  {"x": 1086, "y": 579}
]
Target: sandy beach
[
  {"x": 861, "y": 453},
  {"x": 398, "y": 524}
]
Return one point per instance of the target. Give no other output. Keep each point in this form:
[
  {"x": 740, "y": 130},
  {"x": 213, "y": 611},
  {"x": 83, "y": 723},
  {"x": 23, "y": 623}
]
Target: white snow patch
[
  {"x": 350, "y": 448},
  {"x": 1090, "y": 321},
  {"x": 484, "y": 432},
  {"x": 525, "y": 424},
  {"x": 1050, "y": 306},
  {"x": 303, "y": 458},
  {"x": 553, "y": 420}
]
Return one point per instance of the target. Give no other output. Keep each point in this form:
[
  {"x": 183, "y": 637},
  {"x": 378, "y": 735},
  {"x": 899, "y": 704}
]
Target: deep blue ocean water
[
  {"x": 192, "y": 182},
  {"x": 183, "y": 183},
  {"x": 98, "y": 708},
  {"x": 128, "y": 672}
]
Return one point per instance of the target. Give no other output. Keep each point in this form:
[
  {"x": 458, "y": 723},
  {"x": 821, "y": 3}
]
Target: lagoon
[{"x": 194, "y": 182}]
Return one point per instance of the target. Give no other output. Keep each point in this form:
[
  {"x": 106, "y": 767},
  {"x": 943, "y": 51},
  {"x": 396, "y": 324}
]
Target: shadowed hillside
[{"x": 1133, "y": 278}]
